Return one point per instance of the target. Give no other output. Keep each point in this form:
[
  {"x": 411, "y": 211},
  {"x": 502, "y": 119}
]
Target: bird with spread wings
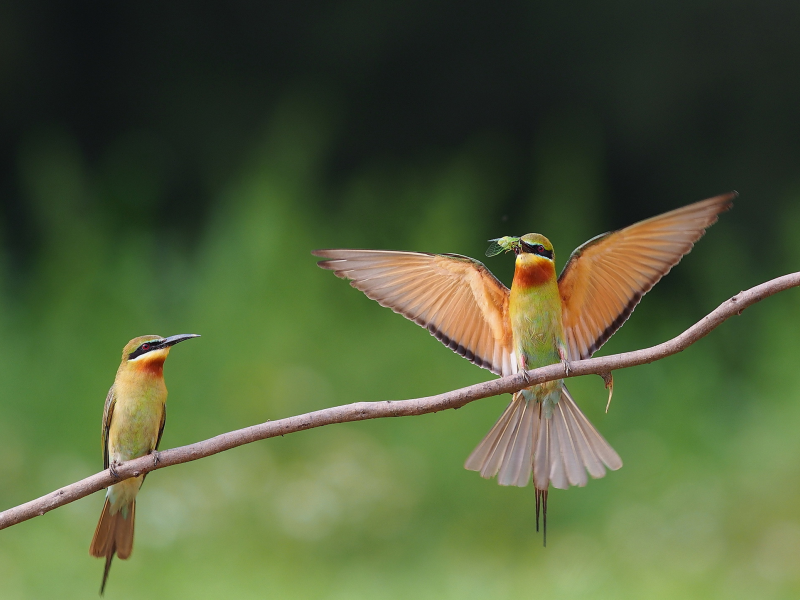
[{"x": 542, "y": 319}]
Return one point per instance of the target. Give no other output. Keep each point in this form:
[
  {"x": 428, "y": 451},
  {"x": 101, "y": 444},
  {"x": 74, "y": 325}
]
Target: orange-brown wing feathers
[
  {"x": 454, "y": 297},
  {"x": 606, "y": 277}
]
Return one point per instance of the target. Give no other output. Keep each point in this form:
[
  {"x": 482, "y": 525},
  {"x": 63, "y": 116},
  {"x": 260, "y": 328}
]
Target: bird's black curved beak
[{"x": 176, "y": 339}]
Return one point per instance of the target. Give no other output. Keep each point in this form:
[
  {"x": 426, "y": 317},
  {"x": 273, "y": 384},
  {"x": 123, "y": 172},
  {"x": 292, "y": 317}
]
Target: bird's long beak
[{"x": 176, "y": 339}]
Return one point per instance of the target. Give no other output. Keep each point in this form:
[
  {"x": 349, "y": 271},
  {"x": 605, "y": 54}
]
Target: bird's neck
[
  {"x": 145, "y": 369},
  {"x": 152, "y": 368},
  {"x": 533, "y": 271}
]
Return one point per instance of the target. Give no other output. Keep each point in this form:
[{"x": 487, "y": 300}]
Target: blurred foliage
[{"x": 170, "y": 175}]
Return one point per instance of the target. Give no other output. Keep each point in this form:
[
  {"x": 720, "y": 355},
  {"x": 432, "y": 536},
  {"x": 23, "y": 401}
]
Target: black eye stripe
[
  {"x": 144, "y": 349},
  {"x": 545, "y": 252},
  {"x": 537, "y": 249}
]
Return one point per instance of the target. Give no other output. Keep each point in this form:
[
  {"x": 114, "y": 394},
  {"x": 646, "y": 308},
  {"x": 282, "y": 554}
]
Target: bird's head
[
  {"x": 531, "y": 244},
  {"x": 150, "y": 351},
  {"x": 535, "y": 263},
  {"x": 535, "y": 244}
]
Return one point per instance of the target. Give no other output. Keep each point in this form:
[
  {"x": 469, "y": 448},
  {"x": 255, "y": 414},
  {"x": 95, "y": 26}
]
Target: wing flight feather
[
  {"x": 606, "y": 277},
  {"x": 454, "y": 297}
]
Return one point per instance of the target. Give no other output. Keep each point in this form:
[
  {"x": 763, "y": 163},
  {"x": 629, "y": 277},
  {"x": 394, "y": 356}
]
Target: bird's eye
[
  {"x": 145, "y": 347},
  {"x": 540, "y": 250}
]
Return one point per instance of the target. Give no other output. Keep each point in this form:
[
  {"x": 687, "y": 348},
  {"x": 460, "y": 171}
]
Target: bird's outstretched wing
[
  {"x": 454, "y": 297},
  {"x": 606, "y": 277},
  {"x": 108, "y": 412}
]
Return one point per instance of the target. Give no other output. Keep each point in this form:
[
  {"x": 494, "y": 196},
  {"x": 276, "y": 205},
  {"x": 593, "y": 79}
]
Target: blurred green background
[{"x": 167, "y": 168}]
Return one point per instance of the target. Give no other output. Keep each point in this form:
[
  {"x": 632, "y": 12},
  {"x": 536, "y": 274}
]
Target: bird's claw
[
  {"x": 525, "y": 376},
  {"x": 567, "y": 368},
  {"x": 156, "y": 457},
  {"x": 112, "y": 467},
  {"x": 564, "y": 356}
]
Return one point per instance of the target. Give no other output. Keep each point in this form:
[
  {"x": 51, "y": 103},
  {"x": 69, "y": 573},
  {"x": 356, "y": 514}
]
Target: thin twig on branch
[{"x": 360, "y": 411}]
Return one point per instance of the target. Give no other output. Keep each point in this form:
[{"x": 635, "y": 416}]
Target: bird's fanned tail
[
  {"x": 506, "y": 449},
  {"x": 559, "y": 450},
  {"x": 567, "y": 446},
  {"x": 114, "y": 535}
]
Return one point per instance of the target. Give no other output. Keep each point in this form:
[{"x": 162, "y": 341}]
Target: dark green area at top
[{"x": 684, "y": 99}]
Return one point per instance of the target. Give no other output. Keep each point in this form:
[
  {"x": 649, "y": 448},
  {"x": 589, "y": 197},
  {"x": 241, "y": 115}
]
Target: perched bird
[
  {"x": 541, "y": 320},
  {"x": 133, "y": 421}
]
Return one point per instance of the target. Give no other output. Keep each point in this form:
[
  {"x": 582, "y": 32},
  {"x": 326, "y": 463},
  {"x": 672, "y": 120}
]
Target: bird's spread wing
[
  {"x": 108, "y": 412},
  {"x": 454, "y": 297},
  {"x": 606, "y": 277}
]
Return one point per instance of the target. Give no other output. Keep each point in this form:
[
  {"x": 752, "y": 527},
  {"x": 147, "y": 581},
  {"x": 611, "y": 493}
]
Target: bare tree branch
[{"x": 360, "y": 411}]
